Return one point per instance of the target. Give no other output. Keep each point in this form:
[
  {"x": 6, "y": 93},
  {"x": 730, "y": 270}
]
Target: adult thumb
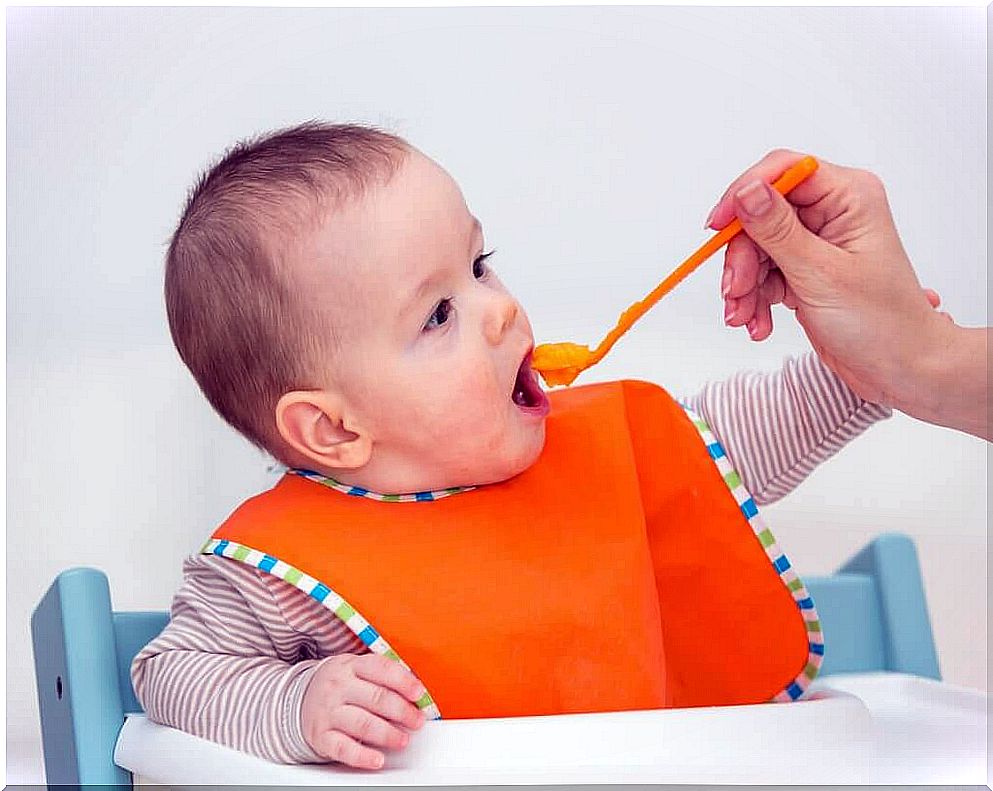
[{"x": 772, "y": 223}]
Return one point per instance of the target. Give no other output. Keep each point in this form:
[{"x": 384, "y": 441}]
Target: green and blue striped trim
[
  {"x": 782, "y": 565},
  {"x": 375, "y": 642},
  {"x": 358, "y": 491}
]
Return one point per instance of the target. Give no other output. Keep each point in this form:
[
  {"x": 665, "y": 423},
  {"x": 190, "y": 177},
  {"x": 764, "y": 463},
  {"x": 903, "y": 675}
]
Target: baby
[{"x": 449, "y": 540}]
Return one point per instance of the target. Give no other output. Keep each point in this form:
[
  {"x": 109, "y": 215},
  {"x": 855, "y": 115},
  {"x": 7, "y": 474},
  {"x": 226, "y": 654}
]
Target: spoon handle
[{"x": 790, "y": 179}]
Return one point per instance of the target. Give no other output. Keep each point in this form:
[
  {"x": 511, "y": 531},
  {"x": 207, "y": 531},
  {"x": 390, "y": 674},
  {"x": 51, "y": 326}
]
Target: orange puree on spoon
[{"x": 561, "y": 363}]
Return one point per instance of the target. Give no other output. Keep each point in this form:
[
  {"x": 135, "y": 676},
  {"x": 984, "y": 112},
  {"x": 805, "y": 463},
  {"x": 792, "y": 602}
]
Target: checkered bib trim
[
  {"x": 804, "y": 602},
  {"x": 377, "y": 644}
]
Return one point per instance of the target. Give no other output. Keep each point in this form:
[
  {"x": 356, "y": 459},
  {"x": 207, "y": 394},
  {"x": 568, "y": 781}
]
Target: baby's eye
[
  {"x": 440, "y": 315},
  {"x": 480, "y": 267}
]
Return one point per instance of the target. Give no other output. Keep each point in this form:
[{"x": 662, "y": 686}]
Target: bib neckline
[{"x": 358, "y": 491}]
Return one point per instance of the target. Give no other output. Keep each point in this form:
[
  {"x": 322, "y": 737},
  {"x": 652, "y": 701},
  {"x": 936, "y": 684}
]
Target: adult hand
[
  {"x": 831, "y": 252},
  {"x": 353, "y": 701}
]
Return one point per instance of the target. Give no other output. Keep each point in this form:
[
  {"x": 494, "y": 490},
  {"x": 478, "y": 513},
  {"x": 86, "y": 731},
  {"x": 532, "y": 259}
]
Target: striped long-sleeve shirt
[{"x": 234, "y": 662}]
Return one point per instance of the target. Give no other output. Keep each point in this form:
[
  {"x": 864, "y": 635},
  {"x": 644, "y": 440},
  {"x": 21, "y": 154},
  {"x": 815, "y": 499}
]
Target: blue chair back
[{"x": 874, "y": 613}]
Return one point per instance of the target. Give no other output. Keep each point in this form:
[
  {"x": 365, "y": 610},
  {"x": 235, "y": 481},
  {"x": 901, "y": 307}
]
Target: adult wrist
[{"x": 948, "y": 382}]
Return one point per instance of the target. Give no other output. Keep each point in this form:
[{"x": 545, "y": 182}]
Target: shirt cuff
[{"x": 299, "y": 749}]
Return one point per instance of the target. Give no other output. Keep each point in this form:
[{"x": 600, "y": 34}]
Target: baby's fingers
[
  {"x": 368, "y": 728},
  {"x": 339, "y": 747},
  {"x": 389, "y": 673},
  {"x": 386, "y": 703}
]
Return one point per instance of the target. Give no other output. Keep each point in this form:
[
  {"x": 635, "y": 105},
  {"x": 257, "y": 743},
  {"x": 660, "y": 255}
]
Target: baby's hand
[{"x": 352, "y": 700}]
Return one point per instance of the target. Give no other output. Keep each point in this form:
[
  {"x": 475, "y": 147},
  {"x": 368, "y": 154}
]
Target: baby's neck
[{"x": 379, "y": 481}]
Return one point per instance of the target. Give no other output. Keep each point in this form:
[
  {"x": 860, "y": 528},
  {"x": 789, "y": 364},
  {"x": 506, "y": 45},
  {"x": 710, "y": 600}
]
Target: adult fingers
[
  {"x": 342, "y": 748},
  {"x": 789, "y": 298},
  {"x": 772, "y": 223},
  {"x": 760, "y": 325},
  {"x": 743, "y": 263},
  {"x": 389, "y": 673},
  {"x": 769, "y": 168},
  {"x": 774, "y": 287},
  {"x": 771, "y": 292},
  {"x": 367, "y": 728},
  {"x": 738, "y": 312},
  {"x": 752, "y": 310},
  {"x": 932, "y": 297},
  {"x": 828, "y": 180},
  {"x": 386, "y": 703}
]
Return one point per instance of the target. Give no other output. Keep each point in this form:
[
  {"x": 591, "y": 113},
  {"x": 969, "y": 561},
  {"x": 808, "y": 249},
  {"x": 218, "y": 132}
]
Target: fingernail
[
  {"x": 729, "y": 307},
  {"x": 755, "y": 198},
  {"x": 726, "y": 283},
  {"x": 710, "y": 217},
  {"x": 751, "y": 327}
]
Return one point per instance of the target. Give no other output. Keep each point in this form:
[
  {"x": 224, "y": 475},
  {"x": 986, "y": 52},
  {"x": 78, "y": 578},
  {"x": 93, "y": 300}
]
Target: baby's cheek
[
  {"x": 480, "y": 390},
  {"x": 482, "y": 405}
]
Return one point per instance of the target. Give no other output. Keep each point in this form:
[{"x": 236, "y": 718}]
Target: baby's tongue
[
  {"x": 518, "y": 396},
  {"x": 524, "y": 386}
]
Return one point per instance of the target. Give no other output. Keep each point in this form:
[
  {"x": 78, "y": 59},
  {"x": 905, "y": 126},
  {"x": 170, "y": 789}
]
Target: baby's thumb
[{"x": 772, "y": 223}]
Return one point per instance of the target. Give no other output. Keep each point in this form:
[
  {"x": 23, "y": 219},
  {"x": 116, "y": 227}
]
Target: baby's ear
[{"x": 313, "y": 423}]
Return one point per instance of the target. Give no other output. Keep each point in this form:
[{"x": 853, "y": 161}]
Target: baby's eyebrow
[
  {"x": 425, "y": 285},
  {"x": 419, "y": 293}
]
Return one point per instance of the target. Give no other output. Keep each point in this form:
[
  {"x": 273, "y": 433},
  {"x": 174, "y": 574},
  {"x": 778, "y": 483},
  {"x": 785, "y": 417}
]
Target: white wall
[{"x": 590, "y": 141}]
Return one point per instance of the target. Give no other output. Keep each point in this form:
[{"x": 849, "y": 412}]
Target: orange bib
[{"x": 626, "y": 569}]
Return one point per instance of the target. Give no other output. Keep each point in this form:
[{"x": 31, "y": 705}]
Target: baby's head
[{"x": 329, "y": 290}]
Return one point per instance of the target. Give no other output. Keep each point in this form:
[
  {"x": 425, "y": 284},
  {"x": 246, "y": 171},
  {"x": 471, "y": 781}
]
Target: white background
[{"x": 591, "y": 142}]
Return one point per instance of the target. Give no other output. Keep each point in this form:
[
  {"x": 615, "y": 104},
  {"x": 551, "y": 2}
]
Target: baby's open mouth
[{"x": 527, "y": 393}]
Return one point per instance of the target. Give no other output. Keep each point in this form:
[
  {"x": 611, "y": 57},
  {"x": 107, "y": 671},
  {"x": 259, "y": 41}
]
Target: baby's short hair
[{"x": 242, "y": 328}]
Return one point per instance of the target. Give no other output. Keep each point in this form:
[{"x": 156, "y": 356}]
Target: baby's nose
[{"x": 501, "y": 318}]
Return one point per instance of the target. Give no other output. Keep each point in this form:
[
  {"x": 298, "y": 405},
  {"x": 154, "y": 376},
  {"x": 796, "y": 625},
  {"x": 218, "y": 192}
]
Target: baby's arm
[
  {"x": 777, "y": 427},
  {"x": 236, "y": 663}
]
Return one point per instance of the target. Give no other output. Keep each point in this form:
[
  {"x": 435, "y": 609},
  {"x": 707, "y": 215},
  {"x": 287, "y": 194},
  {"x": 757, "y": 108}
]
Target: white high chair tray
[{"x": 864, "y": 728}]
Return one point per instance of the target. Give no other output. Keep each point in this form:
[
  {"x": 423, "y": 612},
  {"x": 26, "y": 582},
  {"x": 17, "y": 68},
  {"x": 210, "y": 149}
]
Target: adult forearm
[{"x": 951, "y": 386}]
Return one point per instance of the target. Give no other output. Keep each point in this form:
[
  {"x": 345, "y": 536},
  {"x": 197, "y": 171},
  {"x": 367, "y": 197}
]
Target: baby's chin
[
  {"x": 483, "y": 469},
  {"x": 511, "y": 466}
]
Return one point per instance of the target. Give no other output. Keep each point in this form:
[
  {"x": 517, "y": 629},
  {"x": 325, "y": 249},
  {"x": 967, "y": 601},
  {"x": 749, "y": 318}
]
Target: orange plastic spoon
[{"x": 561, "y": 363}]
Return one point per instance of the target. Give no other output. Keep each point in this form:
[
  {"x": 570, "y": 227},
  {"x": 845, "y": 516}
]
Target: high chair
[{"x": 873, "y": 613}]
